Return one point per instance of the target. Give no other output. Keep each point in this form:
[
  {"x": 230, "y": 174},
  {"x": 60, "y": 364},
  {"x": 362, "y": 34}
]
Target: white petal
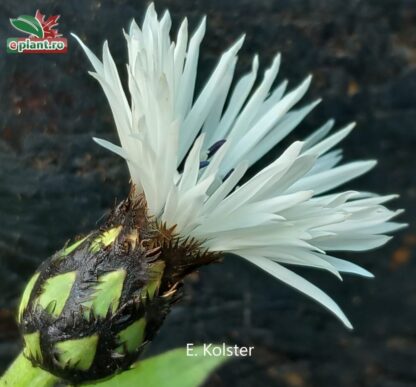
[
  {"x": 289, "y": 122},
  {"x": 118, "y": 150},
  {"x": 324, "y": 181},
  {"x": 198, "y": 114},
  {"x": 184, "y": 98},
  {"x": 328, "y": 143},
  {"x": 97, "y": 64},
  {"x": 300, "y": 284},
  {"x": 283, "y": 213},
  {"x": 265, "y": 124},
  {"x": 318, "y": 135},
  {"x": 346, "y": 266}
]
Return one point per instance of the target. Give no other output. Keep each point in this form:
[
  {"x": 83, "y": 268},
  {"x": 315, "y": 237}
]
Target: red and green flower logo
[{"x": 43, "y": 35}]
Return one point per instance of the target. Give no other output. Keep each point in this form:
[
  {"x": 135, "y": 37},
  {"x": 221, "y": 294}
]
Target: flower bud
[{"x": 91, "y": 308}]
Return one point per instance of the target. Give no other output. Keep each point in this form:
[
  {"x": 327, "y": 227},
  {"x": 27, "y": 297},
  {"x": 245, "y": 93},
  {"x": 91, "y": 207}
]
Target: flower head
[{"x": 187, "y": 155}]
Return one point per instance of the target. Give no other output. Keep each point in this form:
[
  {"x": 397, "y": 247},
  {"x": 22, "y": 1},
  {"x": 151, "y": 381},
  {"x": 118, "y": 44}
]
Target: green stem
[{"x": 21, "y": 373}]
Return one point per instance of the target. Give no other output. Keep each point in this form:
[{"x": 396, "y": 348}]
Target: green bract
[
  {"x": 106, "y": 293},
  {"x": 55, "y": 292},
  {"x": 77, "y": 353},
  {"x": 26, "y": 295}
]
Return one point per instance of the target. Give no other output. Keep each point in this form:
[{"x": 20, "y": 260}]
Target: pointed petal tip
[
  {"x": 388, "y": 239},
  {"x": 298, "y": 144},
  {"x": 256, "y": 62},
  {"x": 78, "y": 39},
  {"x": 330, "y": 122},
  {"x": 373, "y": 163},
  {"x": 184, "y": 24},
  {"x": 276, "y": 60},
  {"x": 361, "y": 272},
  {"x": 201, "y": 29},
  {"x": 106, "y": 49},
  {"x": 151, "y": 8},
  {"x": 399, "y": 226},
  {"x": 308, "y": 79},
  {"x": 238, "y": 44},
  {"x": 343, "y": 318}
]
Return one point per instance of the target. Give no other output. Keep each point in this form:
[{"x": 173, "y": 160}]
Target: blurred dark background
[{"x": 56, "y": 183}]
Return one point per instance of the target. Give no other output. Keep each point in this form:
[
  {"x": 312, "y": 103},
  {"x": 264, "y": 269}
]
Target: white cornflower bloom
[{"x": 289, "y": 213}]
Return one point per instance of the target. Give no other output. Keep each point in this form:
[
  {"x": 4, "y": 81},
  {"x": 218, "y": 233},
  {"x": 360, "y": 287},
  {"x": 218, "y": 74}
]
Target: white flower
[{"x": 282, "y": 215}]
